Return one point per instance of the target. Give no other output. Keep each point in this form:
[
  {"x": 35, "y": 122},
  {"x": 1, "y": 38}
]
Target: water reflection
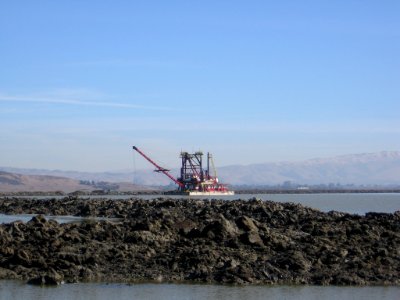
[
  {"x": 60, "y": 219},
  {"x": 92, "y": 291}
]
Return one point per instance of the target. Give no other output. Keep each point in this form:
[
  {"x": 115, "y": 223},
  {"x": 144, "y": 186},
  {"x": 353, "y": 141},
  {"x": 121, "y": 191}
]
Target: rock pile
[{"x": 214, "y": 241}]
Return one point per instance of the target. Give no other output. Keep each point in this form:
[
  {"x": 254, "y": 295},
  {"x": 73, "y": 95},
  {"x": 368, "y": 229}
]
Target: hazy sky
[{"x": 251, "y": 81}]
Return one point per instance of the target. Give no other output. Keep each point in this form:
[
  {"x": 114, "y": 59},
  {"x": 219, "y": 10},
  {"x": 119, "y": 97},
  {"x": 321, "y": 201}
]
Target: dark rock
[
  {"x": 8, "y": 274},
  {"x": 247, "y": 224},
  {"x": 165, "y": 240},
  {"x": 252, "y": 238},
  {"x": 52, "y": 278},
  {"x": 220, "y": 229}
]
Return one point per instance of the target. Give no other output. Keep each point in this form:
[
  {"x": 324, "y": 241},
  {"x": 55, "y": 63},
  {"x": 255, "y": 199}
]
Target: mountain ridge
[
  {"x": 13, "y": 182},
  {"x": 362, "y": 168}
]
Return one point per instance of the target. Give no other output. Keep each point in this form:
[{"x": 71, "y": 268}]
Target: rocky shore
[{"x": 213, "y": 241}]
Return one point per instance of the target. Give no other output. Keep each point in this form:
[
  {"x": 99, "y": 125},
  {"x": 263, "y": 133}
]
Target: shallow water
[
  {"x": 60, "y": 219},
  {"x": 11, "y": 289},
  {"x": 354, "y": 203}
]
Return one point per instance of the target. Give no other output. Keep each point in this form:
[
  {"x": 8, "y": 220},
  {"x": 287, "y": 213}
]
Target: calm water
[
  {"x": 60, "y": 219},
  {"x": 351, "y": 203},
  {"x": 15, "y": 290},
  {"x": 355, "y": 203}
]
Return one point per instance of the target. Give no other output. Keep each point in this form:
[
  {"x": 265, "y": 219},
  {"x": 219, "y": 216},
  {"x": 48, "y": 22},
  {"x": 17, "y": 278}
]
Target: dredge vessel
[{"x": 194, "y": 179}]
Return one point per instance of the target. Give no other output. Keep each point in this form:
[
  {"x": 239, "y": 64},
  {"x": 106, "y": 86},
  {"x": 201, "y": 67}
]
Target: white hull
[
  {"x": 227, "y": 193},
  {"x": 196, "y": 193}
]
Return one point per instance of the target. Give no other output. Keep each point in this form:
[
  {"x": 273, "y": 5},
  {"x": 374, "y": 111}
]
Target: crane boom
[{"x": 159, "y": 168}]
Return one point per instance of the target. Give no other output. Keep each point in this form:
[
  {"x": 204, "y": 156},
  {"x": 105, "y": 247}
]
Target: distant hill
[
  {"x": 95, "y": 176},
  {"x": 382, "y": 168},
  {"x": 11, "y": 182}
]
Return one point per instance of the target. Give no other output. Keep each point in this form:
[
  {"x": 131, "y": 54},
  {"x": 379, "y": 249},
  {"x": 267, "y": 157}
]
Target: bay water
[{"x": 16, "y": 290}]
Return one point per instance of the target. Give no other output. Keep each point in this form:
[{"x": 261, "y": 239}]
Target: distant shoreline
[{"x": 238, "y": 192}]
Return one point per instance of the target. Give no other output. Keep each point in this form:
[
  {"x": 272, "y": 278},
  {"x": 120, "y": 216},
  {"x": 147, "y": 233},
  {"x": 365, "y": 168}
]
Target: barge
[{"x": 194, "y": 179}]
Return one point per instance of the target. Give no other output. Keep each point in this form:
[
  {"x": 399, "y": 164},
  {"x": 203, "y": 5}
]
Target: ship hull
[{"x": 197, "y": 193}]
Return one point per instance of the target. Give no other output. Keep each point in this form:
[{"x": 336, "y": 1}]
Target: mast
[{"x": 208, "y": 165}]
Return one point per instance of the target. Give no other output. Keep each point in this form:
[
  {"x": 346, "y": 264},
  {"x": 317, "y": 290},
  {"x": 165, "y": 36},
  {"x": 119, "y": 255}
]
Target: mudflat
[{"x": 213, "y": 241}]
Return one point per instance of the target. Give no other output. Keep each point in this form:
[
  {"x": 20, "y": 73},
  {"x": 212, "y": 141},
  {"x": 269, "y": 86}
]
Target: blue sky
[{"x": 251, "y": 81}]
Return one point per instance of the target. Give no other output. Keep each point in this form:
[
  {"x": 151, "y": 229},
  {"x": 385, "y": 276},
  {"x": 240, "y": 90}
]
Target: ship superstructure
[{"x": 195, "y": 178}]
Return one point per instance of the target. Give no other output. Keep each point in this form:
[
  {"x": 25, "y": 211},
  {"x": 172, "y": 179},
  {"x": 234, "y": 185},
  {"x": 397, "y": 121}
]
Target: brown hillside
[{"x": 10, "y": 182}]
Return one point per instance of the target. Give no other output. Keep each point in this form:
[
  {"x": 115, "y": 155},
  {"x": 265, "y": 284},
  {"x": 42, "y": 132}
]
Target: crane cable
[
  {"x": 213, "y": 166},
  {"x": 134, "y": 168}
]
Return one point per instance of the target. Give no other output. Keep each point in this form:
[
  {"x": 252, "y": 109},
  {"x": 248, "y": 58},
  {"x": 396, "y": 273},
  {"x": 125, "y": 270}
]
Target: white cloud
[
  {"x": 56, "y": 100},
  {"x": 141, "y": 63}
]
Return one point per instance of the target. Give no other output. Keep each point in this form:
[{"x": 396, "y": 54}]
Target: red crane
[
  {"x": 194, "y": 179},
  {"x": 159, "y": 168}
]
